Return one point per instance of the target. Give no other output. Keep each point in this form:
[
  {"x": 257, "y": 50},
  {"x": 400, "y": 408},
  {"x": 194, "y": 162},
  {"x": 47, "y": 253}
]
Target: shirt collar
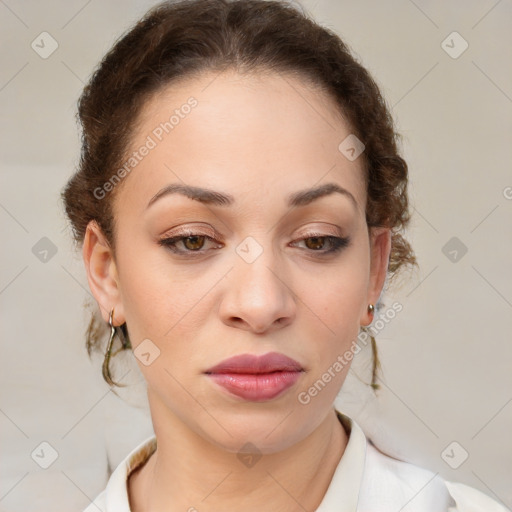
[
  {"x": 116, "y": 492},
  {"x": 341, "y": 495},
  {"x": 343, "y": 492}
]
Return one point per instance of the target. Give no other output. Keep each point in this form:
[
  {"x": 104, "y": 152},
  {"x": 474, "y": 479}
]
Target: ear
[
  {"x": 102, "y": 273},
  {"x": 380, "y": 249}
]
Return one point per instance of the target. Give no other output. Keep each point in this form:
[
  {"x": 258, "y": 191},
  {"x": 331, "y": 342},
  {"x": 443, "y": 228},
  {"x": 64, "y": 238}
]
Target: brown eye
[
  {"x": 187, "y": 243},
  {"x": 317, "y": 242},
  {"x": 193, "y": 243}
]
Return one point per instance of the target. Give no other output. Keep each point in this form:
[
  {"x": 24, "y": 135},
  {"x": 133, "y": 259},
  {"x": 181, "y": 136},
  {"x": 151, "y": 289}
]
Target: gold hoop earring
[
  {"x": 375, "y": 364},
  {"x": 375, "y": 355},
  {"x": 108, "y": 352}
]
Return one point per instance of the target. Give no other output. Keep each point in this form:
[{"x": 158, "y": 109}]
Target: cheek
[
  {"x": 157, "y": 307},
  {"x": 340, "y": 298},
  {"x": 346, "y": 288},
  {"x": 153, "y": 296}
]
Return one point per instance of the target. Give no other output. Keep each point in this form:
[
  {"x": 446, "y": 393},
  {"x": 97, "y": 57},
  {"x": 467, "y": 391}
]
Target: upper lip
[{"x": 248, "y": 363}]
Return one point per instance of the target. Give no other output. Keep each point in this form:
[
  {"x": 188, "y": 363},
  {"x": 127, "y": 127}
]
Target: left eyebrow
[
  {"x": 307, "y": 196},
  {"x": 208, "y": 196}
]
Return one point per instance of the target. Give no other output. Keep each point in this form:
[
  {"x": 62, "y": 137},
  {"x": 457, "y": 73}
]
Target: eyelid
[
  {"x": 311, "y": 232},
  {"x": 327, "y": 229},
  {"x": 191, "y": 231},
  {"x": 306, "y": 233}
]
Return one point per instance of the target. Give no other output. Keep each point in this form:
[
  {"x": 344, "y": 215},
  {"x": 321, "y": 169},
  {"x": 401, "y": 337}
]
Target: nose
[{"x": 257, "y": 297}]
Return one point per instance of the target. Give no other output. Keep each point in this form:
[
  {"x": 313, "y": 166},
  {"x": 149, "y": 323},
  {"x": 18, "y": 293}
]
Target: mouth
[{"x": 256, "y": 378}]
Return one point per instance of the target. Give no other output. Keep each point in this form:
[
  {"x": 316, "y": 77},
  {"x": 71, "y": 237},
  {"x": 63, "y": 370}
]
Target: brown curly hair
[{"x": 182, "y": 39}]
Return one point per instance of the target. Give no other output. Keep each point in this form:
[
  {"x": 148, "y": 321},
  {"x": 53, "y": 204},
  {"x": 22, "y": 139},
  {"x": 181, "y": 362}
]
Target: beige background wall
[{"x": 447, "y": 356}]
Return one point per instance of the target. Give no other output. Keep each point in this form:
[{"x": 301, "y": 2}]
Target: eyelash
[{"x": 337, "y": 243}]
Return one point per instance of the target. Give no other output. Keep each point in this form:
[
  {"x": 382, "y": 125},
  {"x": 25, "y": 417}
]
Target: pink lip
[{"x": 256, "y": 378}]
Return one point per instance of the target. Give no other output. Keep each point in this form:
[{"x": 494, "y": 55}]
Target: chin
[{"x": 270, "y": 430}]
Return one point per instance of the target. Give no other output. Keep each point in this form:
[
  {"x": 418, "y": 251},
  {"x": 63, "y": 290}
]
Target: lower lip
[{"x": 256, "y": 387}]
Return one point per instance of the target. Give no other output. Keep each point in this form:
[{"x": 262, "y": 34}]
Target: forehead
[{"x": 240, "y": 134}]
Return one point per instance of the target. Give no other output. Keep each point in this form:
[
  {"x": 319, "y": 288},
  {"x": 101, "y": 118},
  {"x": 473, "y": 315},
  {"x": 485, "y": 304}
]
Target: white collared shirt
[{"x": 365, "y": 480}]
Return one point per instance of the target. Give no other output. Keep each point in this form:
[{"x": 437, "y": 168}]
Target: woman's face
[{"x": 270, "y": 265}]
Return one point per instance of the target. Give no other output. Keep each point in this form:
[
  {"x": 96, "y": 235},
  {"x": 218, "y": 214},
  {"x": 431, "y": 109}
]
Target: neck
[{"x": 187, "y": 473}]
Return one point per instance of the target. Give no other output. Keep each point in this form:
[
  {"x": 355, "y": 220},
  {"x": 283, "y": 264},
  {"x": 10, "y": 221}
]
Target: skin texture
[{"x": 258, "y": 138}]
